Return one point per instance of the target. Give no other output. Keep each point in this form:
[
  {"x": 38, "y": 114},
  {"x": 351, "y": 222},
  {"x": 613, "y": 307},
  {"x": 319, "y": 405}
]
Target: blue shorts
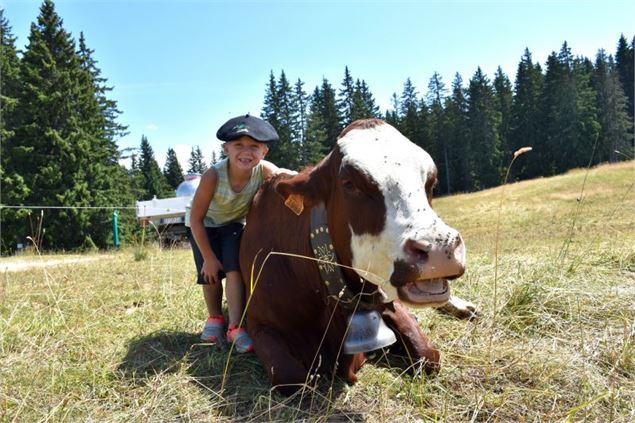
[{"x": 225, "y": 243}]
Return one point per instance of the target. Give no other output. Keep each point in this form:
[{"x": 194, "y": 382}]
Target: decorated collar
[{"x": 329, "y": 266}]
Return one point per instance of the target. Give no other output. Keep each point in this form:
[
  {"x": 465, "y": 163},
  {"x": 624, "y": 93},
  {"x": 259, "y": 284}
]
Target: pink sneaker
[
  {"x": 241, "y": 339},
  {"x": 213, "y": 329}
]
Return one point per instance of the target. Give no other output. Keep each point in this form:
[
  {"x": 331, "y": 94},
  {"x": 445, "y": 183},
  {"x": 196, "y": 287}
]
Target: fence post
[{"x": 115, "y": 229}]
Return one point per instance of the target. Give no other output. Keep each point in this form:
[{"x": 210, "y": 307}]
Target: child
[{"x": 216, "y": 220}]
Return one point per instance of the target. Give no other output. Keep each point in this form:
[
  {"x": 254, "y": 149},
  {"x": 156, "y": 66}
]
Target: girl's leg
[
  {"x": 235, "y": 293},
  {"x": 213, "y": 294}
]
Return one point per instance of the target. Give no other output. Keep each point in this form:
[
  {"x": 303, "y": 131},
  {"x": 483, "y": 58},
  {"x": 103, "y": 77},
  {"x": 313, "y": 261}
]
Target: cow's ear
[{"x": 303, "y": 190}]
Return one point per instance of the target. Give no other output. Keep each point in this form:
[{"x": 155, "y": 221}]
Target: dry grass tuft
[{"x": 117, "y": 339}]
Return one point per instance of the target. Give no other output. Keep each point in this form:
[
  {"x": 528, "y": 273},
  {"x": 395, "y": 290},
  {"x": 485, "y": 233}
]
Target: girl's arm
[
  {"x": 200, "y": 204},
  {"x": 270, "y": 170}
]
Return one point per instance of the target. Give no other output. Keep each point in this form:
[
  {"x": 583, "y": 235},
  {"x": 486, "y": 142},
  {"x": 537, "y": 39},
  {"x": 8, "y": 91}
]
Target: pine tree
[
  {"x": 10, "y": 79},
  {"x": 172, "y": 169},
  {"x": 286, "y": 145},
  {"x": 504, "y": 99},
  {"x": 329, "y": 114},
  {"x": 154, "y": 183},
  {"x": 359, "y": 109},
  {"x": 363, "y": 106},
  {"x": 345, "y": 99},
  {"x": 612, "y": 109},
  {"x": 64, "y": 143},
  {"x": 107, "y": 125},
  {"x": 369, "y": 101},
  {"x": 196, "y": 162},
  {"x": 569, "y": 110},
  {"x": 525, "y": 126},
  {"x": 438, "y": 145},
  {"x": 457, "y": 138},
  {"x": 13, "y": 190},
  {"x": 558, "y": 111},
  {"x": 392, "y": 116},
  {"x": 424, "y": 134},
  {"x": 436, "y": 90},
  {"x": 278, "y": 111},
  {"x": 624, "y": 63},
  {"x": 46, "y": 131},
  {"x": 483, "y": 122},
  {"x": 314, "y": 146},
  {"x": 214, "y": 159},
  {"x": 588, "y": 127},
  {"x": 270, "y": 112},
  {"x": 107, "y": 181},
  {"x": 409, "y": 112},
  {"x": 271, "y": 103},
  {"x": 300, "y": 109}
]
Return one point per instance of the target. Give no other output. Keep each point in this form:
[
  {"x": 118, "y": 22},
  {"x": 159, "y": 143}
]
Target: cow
[{"x": 393, "y": 250}]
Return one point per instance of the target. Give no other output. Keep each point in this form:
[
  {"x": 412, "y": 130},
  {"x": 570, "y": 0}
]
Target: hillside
[{"x": 116, "y": 339}]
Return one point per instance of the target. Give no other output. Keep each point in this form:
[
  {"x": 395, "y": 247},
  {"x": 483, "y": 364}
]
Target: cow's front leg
[
  {"x": 411, "y": 338},
  {"x": 459, "y": 308},
  {"x": 353, "y": 363},
  {"x": 286, "y": 372}
]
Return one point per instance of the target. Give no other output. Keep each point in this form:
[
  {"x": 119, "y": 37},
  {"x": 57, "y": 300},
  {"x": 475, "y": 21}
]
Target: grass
[{"x": 117, "y": 339}]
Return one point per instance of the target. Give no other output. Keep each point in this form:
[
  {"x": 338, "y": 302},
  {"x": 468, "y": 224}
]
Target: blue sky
[{"x": 181, "y": 68}]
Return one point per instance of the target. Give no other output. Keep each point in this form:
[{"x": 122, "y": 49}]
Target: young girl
[{"x": 216, "y": 220}]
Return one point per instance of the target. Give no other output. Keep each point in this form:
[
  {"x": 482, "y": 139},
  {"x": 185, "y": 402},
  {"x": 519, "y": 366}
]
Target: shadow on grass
[{"x": 247, "y": 394}]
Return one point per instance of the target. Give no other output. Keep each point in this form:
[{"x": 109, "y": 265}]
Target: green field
[{"x": 116, "y": 339}]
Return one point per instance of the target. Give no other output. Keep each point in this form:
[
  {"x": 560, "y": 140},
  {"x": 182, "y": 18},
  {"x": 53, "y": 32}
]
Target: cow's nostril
[
  {"x": 458, "y": 249},
  {"x": 419, "y": 250}
]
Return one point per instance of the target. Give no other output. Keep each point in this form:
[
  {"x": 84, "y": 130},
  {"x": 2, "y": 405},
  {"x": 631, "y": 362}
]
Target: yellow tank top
[{"x": 228, "y": 206}]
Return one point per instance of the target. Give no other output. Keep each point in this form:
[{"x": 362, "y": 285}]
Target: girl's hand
[{"x": 210, "y": 270}]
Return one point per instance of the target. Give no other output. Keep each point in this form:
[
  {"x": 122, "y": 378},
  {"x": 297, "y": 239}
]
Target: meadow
[{"x": 116, "y": 338}]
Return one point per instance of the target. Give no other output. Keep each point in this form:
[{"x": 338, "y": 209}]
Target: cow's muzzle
[
  {"x": 443, "y": 257},
  {"x": 421, "y": 276}
]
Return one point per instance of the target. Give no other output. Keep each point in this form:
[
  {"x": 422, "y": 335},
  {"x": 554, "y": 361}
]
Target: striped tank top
[{"x": 228, "y": 206}]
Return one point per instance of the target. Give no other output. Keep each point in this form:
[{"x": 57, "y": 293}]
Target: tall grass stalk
[
  {"x": 47, "y": 277},
  {"x": 567, "y": 242},
  {"x": 517, "y": 154}
]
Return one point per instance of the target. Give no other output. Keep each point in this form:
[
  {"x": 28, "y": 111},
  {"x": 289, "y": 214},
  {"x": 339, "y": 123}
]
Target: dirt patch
[{"x": 21, "y": 265}]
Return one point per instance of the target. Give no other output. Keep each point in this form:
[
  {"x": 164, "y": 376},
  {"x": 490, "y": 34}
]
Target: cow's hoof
[
  {"x": 460, "y": 309},
  {"x": 431, "y": 364},
  {"x": 431, "y": 368}
]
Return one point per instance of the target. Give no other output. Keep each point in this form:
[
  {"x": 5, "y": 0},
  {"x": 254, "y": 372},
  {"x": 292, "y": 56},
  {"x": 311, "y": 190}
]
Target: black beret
[{"x": 253, "y": 127}]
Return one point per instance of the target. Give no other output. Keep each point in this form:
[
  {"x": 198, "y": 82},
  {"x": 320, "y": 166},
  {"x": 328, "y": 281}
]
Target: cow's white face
[{"x": 414, "y": 253}]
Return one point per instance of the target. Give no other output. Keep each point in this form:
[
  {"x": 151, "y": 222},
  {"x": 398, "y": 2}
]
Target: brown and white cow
[{"x": 376, "y": 187}]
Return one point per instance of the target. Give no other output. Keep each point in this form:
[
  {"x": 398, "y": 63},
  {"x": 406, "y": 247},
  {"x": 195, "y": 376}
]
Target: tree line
[
  {"x": 59, "y": 130},
  {"x": 574, "y": 112}
]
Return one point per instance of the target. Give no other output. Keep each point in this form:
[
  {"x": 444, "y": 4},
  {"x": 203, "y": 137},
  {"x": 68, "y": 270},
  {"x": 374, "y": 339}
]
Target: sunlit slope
[{"x": 578, "y": 208}]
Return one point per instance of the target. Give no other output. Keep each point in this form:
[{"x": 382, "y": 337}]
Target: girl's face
[{"x": 245, "y": 152}]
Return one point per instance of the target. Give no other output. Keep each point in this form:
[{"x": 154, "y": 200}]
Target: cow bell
[{"x": 367, "y": 331}]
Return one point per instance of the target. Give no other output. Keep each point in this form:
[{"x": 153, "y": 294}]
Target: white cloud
[{"x": 152, "y": 127}]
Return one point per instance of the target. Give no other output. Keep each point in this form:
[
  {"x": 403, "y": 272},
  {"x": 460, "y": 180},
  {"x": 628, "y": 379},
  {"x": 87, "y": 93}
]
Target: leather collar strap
[{"x": 330, "y": 272}]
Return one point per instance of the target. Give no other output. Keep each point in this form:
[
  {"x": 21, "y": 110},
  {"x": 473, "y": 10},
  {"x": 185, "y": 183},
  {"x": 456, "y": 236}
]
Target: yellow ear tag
[{"x": 295, "y": 202}]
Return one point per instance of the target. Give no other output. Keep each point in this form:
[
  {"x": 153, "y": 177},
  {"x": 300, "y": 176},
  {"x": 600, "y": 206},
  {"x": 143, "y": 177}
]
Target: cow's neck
[{"x": 328, "y": 263}]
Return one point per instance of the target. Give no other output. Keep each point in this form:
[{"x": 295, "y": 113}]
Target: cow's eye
[{"x": 348, "y": 185}]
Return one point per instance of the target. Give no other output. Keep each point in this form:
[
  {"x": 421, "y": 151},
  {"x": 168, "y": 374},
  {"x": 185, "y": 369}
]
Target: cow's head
[{"x": 377, "y": 188}]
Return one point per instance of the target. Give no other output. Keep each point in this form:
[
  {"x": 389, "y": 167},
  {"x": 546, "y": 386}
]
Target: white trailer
[{"x": 168, "y": 214}]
